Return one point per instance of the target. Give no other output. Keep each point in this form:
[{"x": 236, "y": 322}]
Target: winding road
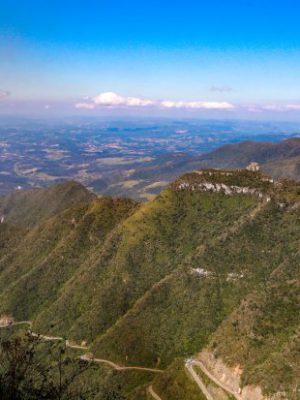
[
  {"x": 153, "y": 394},
  {"x": 46, "y": 338},
  {"x": 9, "y": 324},
  {"x": 84, "y": 357},
  {"x": 117, "y": 367},
  {"x": 189, "y": 366}
]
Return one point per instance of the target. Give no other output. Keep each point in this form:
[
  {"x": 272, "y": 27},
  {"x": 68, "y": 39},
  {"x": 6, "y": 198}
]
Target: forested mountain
[
  {"x": 210, "y": 266},
  {"x": 241, "y": 154},
  {"x": 279, "y": 160}
]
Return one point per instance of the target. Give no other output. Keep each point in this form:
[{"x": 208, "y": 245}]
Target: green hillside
[
  {"x": 280, "y": 160},
  {"x": 26, "y": 208},
  {"x": 211, "y": 262},
  {"x": 241, "y": 154}
]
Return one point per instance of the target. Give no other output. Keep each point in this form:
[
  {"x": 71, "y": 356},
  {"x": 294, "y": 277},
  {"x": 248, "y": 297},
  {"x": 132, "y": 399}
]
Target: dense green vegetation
[
  {"x": 176, "y": 384},
  {"x": 26, "y": 208},
  {"x": 280, "y": 160},
  {"x": 148, "y": 285}
]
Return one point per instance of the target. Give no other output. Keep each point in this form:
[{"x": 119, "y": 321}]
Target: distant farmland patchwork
[{"x": 128, "y": 158}]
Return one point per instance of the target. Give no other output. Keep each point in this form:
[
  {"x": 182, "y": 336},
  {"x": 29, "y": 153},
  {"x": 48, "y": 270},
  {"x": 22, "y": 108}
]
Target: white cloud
[
  {"x": 86, "y": 106},
  {"x": 252, "y": 109},
  {"x": 273, "y": 107},
  {"x": 204, "y": 105},
  {"x": 293, "y": 107},
  {"x": 4, "y": 94},
  {"x": 281, "y": 108},
  {"x": 111, "y": 99}
]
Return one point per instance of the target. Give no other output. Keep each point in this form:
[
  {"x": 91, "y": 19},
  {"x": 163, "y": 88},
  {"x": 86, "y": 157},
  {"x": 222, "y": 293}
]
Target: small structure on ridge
[{"x": 253, "y": 167}]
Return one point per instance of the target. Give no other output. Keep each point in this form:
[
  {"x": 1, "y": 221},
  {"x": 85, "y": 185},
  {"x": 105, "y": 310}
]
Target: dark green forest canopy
[{"x": 150, "y": 285}]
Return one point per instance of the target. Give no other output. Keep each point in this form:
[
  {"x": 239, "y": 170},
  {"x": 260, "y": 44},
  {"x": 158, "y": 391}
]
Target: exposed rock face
[
  {"x": 202, "y": 272},
  {"x": 6, "y": 320},
  {"x": 252, "y": 393},
  {"x": 231, "y": 377},
  {"x": 221, "y": 188}
]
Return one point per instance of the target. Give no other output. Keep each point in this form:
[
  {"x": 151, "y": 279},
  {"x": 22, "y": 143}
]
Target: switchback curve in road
[
  {"x": 189, "y": 366},
  {"x": 199, "y": 364},
  {"x": 153, "y": 394}
]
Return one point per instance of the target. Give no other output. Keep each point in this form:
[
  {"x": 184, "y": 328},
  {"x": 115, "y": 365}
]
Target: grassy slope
[
  {"x": 124, "y": 273},
  {"x": 176, "y": 384},
  {"x": 147, "y": 247},
  {"x": 26, "y": 208},
  {"x": 176, "y": 316},
  {"x": 50, "y": 254},
  {"x": 239, "y": 155},
  {"x": 263, "y": 333},
  {"x": 287, "y": 168}
]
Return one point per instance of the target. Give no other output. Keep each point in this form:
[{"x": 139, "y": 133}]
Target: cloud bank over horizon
[{"x": 112, "y": 100}]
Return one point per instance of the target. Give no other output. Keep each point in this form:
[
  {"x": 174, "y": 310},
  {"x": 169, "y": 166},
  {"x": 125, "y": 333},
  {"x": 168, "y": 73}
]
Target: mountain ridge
[
  {"x": 279, "y": 160},
  {"x": 149, "y": 284}
]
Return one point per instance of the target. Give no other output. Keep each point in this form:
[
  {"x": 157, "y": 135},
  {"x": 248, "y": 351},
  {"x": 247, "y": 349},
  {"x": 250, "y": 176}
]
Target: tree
[{"x": 28, "y": 372}]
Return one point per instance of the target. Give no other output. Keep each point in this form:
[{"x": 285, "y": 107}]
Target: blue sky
[{"x": 240, "y": 58}]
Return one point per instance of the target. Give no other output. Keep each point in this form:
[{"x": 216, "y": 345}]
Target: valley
[{"x": 137, "y": 158}]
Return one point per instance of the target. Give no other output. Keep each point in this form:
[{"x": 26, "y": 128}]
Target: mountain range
[
  {"x": 279, "y": 160},
  {"x": 208, "y": 269}
]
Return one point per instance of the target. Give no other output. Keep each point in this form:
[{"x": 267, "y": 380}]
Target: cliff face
[{"x": 228, "y": 190}]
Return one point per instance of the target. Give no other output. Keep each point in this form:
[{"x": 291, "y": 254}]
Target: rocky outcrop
[
  {"x": 222, "y": 188},
  {"x": 231, "y": 378}
]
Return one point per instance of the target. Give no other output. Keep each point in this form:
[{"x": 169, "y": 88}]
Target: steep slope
[
  {"x": 279, "y": 160},
  {"x": 260, "y": 337},
  {"x": 288, "y": 168},
  {"x": 33, "y": 273},
  {"x": 262, "y": 334},
  {"x": 211, "y": 262},
  {"x": 252, "y": 258},
  {"x": 175, "y": 384},
  {"x": 26, "y": 208},
  {"x": 149, "y": 246},
  {"x": 179, "y": 313},
  {"x": 239, "y": 155}
]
